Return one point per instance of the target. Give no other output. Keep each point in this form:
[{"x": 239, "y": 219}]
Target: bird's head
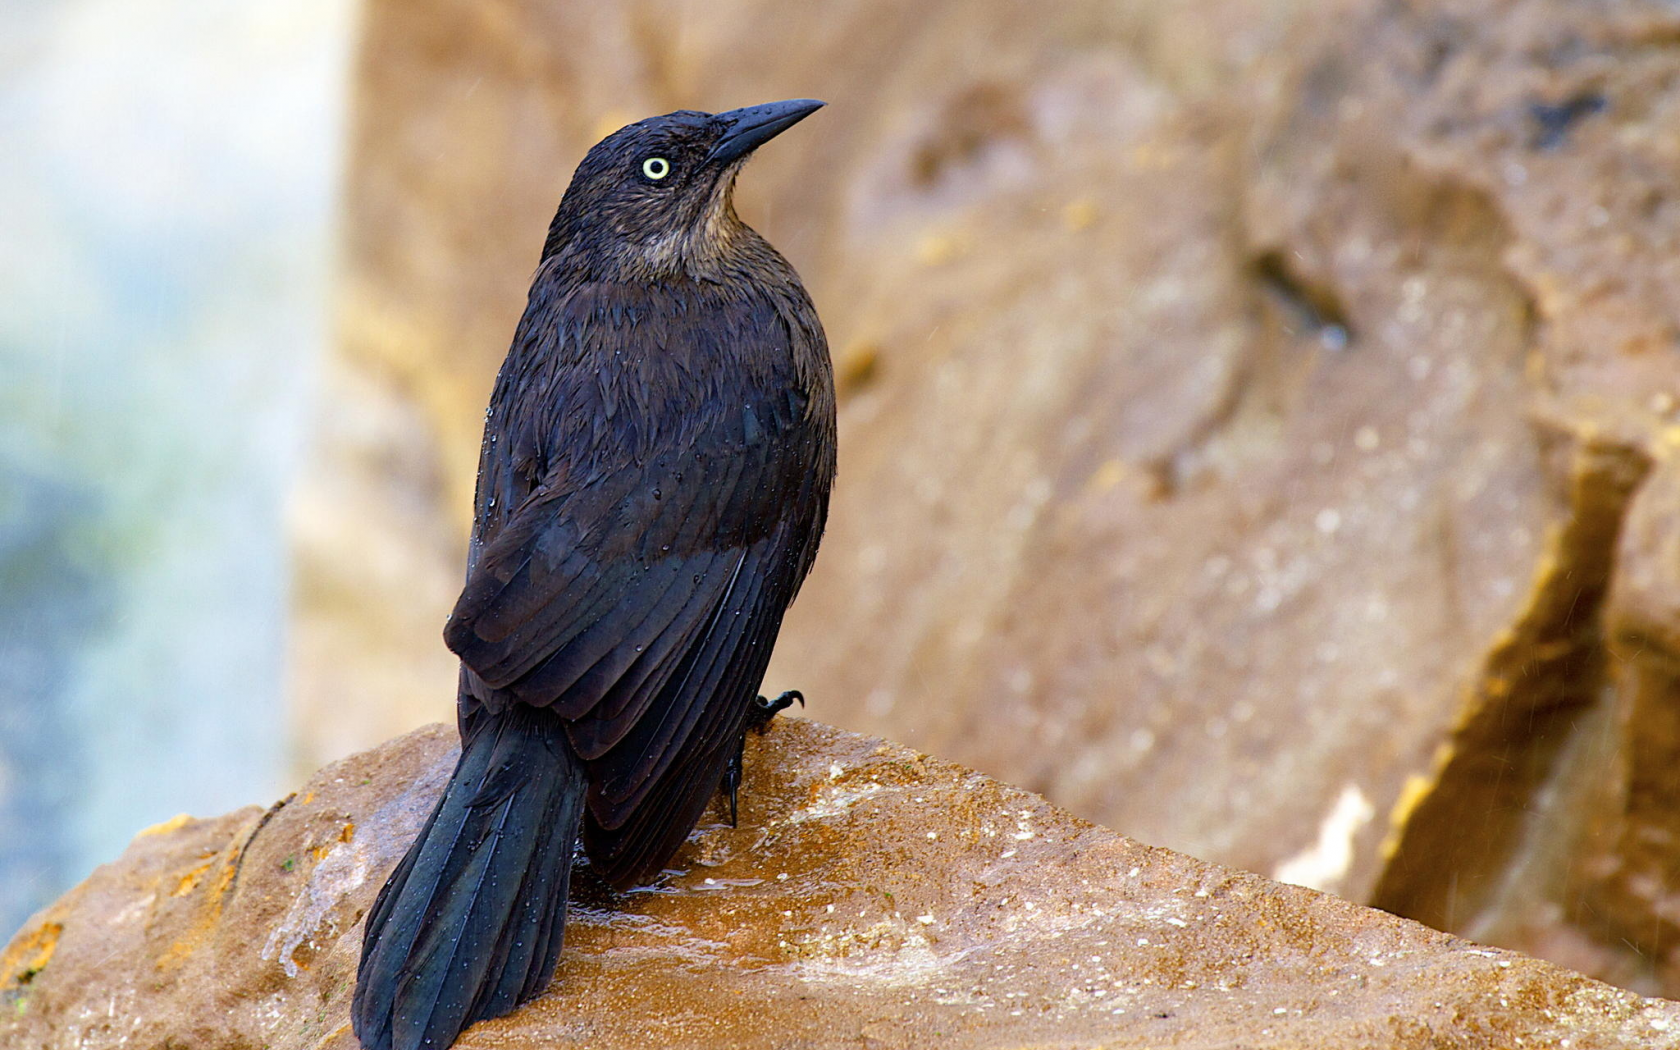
[{"x": 655, "y": 198}]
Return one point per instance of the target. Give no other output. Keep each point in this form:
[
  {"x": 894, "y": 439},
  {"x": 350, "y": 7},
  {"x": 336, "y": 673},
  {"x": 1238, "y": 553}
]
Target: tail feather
[
  {"x": 446, "y": 967},
  {"x": 470, "y": 923},
  {"x": 525, "y": 955}
]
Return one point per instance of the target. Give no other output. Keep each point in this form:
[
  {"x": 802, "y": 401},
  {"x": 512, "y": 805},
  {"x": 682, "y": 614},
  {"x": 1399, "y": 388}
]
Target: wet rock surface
[
  {"x": 871, "y": 897},
  {"x": 1257, "y": 418}
]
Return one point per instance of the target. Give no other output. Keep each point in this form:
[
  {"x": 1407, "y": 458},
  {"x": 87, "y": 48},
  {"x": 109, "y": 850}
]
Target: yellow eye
[{"x": 656, "y": 167}]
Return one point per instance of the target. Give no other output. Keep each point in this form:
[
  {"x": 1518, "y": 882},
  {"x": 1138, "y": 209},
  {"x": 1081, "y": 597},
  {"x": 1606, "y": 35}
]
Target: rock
[
  {"x": 1243, "y": 404},
  {"x": 871, "y": 896},
  {"x": 1632, "y": 868}
]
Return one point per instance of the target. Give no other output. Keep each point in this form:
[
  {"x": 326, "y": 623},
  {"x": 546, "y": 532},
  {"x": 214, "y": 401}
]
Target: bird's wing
[
  {"x": 648, "y": 792},
  {"x": 568, "y": 594}
]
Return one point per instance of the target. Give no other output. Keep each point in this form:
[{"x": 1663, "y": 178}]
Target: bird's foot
[
  {"x": 758, "y": 719},
  {"x": 762, "y": 710}
]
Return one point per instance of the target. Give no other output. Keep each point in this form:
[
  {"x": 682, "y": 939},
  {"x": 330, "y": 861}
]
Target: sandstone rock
[
  {"x": 872, "y": 896},
  {"x": 1633, "y": 869},
  {"x": 1242, "y": 406}
]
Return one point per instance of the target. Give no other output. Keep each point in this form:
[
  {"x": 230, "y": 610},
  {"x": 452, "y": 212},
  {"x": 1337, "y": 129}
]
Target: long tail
[{"x": 469, "y": 924}]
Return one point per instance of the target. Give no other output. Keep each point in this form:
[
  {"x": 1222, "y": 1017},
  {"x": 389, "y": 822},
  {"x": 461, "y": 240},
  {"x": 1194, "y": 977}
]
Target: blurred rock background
[{"x": 1258, "y": 418}]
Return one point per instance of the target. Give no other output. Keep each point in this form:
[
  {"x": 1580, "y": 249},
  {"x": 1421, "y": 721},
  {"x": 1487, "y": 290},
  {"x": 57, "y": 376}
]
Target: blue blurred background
[{"x": 166, "y": 194}]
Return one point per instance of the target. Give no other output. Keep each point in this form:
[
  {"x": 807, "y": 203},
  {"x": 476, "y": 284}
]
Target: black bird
[{"x": 653, "y": 483}]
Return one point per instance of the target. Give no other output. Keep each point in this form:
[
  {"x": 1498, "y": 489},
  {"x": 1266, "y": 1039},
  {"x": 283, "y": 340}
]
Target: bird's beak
[{"x": 744, "y": 130}]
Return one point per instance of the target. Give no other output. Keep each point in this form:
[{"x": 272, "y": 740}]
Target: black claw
[{"x": 764, "y": 710}]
